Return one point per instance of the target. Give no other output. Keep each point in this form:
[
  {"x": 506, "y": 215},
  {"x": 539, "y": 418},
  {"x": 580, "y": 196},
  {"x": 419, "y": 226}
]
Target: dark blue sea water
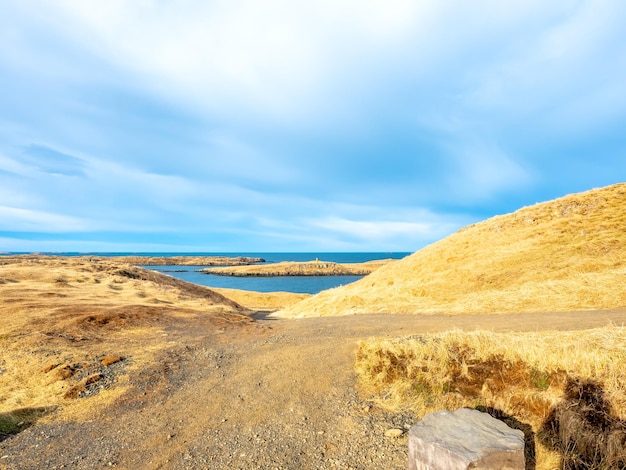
[{"x": 299, "y": 284}]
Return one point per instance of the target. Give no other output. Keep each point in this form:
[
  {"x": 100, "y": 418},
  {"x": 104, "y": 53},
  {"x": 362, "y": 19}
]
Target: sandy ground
[{"x": 262, "y": 301}]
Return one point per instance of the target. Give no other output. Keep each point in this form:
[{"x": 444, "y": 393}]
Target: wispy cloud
[
  {"x": 52, "y": 161},
  {"x": 29, "y": 220}
]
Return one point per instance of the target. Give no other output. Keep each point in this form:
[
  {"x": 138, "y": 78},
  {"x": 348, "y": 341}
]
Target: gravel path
[{"x": 278, "y": 394}]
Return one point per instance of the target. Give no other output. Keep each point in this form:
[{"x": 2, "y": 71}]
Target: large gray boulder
[{"x": 463, "y": 439}]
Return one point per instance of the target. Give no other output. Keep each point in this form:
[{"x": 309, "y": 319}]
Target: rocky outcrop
[{"x": 464, "y": 439}]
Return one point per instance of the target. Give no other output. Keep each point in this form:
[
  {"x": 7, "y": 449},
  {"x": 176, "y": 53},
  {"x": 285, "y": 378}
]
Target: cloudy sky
[{"x": 285, "y": 125}]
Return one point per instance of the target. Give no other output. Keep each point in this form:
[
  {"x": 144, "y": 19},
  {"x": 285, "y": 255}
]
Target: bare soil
[{"x": 268, "y": 394}]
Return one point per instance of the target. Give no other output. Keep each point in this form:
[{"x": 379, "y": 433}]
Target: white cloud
[
  {"x": 572, "y": 58},
  {"x": 233, "y": 158},
  {"x": 371, "y": 230},
  {"x": 277, "y": 58},
  {"x": 17, "y": 244},
  {"x": 310, "y": 63},
  {"x": 226, "y": 55},
  {"x": 12, "y": 165},
  {"x": 396, "y": 228},
  {"x": 25, "y": 220}
]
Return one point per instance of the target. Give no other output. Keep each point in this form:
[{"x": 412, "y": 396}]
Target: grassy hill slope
[
  {"x": 566, "y": 254},
  {"x": 73, "y": 328}
]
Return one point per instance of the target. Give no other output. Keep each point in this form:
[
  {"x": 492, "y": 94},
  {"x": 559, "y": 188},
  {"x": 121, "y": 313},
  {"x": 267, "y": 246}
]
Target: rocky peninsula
[{"x": 292, "y": 268}]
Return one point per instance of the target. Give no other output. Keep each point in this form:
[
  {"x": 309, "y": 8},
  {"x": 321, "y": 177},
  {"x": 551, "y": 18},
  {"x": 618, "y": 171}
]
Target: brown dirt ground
[{"x": 272, "y": 393}]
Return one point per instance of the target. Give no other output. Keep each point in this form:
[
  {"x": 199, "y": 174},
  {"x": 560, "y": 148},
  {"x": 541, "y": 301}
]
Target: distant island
[
  {"x": 159, "y": 260},
  {"x": 292, "y": 268},
  {"x": 190, "y": 260}
]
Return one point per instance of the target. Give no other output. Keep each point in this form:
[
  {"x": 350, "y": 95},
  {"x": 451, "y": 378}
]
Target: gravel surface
[
  {"x": 279, "y": 395},
  {"x": 275, "y": 394}
]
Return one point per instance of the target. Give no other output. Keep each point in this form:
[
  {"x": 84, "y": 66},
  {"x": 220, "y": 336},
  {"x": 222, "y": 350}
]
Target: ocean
[{"x": 298, "y": 284}]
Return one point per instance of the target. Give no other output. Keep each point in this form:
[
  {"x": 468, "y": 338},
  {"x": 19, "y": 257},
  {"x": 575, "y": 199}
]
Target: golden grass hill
[{"x": 565, "y": 254}]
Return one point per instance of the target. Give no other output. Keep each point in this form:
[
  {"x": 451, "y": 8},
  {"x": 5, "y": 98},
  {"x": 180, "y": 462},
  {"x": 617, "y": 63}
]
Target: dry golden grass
[
  {"x": 566, "y": 254},
  {"x": 265, "y": 301},
  {"x": 520, "y": 374},
  {"x": 70, "y": 327}
]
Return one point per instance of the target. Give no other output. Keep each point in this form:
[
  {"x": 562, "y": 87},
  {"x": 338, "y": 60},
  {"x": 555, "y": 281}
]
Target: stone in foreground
[{"x": 464, "y": 439}]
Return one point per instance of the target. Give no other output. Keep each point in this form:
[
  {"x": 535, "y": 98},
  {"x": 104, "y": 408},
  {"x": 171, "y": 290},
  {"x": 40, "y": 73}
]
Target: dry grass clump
[
  {"x": 523, "y": 375},
  {"x": 585, "y": 430},
  {"x": 566, "y": 254}
]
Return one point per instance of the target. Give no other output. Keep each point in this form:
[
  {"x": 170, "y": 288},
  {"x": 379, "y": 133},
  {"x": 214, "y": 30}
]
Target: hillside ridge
[{"x": 564, "y": 254}]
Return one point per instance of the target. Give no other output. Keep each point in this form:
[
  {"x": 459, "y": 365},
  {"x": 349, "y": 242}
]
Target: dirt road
[{"x": 275, "y": 394}]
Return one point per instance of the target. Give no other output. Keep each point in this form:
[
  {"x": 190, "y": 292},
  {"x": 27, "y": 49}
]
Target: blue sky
[{"x": 286, "y": 125}]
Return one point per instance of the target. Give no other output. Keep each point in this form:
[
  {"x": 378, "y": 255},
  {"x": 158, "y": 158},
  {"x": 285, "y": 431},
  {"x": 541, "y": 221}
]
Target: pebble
[{"x": 394, "y": 432}]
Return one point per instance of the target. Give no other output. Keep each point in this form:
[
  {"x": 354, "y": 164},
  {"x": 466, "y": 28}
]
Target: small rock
[{"x": 394, "y": 432}]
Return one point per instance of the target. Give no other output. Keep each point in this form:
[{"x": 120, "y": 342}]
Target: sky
[{"x": 285, "y": 125}]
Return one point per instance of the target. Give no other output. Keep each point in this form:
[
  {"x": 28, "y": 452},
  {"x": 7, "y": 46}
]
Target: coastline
[{"x": 144, "y": 260}]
